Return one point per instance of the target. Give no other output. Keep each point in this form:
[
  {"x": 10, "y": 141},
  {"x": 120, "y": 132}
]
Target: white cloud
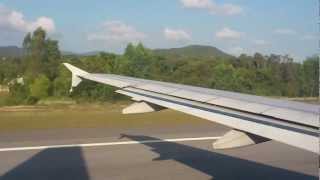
[
  {"x": 309, "y": 37},
  {"x": 212, "y": 7},
  {"x": 44, "y": 22},
  {"x": 285, "y": 31},
  {"x": 228, "y": 9},
  {"x": 14, "y": 20},
  {"x": 227, "y": 33},
  {"x": 117, "y": 31},
  {"x": 260, "y": 42},
  {"x": 206, "y": 4},
  {"x": 237, "y": 50},
  {"x": 176, "y": 34}
]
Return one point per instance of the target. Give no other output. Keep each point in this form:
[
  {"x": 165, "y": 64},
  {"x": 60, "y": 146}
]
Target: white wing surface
[{"x": 289, "y": 122}]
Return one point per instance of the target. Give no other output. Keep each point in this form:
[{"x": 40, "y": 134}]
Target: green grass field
[
  {"x": 25, "y": 118},
  {"x": 55, "y": 115}
]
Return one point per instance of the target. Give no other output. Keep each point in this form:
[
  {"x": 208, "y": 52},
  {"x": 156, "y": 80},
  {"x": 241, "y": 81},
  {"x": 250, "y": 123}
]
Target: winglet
[
  {"x": 75, "y": 70},
  {"x": 76, "y": 75}
]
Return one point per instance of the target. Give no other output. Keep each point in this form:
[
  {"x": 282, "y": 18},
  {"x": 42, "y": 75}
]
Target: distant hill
[
  {"x": 14, "y": 51},
  {"x": 10, "y": 51},
  {"x": 196, "y": 51},
  {"x": 90, "y": 53},
  {"x": 192, "y": 51},
  {"x": 67, "y": 53}
]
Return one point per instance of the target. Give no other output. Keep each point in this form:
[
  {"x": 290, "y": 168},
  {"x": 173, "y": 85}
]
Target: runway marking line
[{"x": 106, "y": 144}]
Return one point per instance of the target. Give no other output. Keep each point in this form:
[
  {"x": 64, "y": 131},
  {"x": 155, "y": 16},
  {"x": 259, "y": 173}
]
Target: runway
[
  {"x": 171, "y": 153},
  {"x": 105, "y": 144}
]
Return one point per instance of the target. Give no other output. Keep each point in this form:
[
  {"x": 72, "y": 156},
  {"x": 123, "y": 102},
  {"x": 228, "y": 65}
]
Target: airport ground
[{"x": 79, "y": 126}]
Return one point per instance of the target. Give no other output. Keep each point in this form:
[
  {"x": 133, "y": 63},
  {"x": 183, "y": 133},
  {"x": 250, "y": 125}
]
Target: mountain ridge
[
  {"x": 11, "y": 51},
  {"x": 191, "y": 51},
  {"x": 194, "y": 51}
]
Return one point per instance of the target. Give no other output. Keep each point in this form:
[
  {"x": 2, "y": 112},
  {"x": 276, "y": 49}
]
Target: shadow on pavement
[
  {"x": 69, "y": 164},
  {"x": 216, "y": 165},
  {"x": 51, "y": 164}
]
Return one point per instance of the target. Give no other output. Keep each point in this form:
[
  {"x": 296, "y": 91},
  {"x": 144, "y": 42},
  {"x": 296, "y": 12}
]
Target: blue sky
[{"x": 235, "y": 26}]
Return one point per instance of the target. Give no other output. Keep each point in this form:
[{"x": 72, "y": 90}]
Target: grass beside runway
[
  {"x": 108, "y": 115},
  {"x": 27, "y": 118}
]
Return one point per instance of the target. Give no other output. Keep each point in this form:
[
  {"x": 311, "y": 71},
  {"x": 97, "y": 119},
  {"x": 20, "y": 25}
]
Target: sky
[{"x": 234, "y": 26}]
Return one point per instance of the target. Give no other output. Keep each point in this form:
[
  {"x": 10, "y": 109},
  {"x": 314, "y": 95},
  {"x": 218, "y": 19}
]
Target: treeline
[{"x": 44, "y": 75}]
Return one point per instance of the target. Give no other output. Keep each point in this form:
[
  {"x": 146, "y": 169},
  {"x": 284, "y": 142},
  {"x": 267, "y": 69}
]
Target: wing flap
[
  {"x": 297, "y": 116},
  {"x": 193, "y": 96},
  {"x": 302, "y": 137}
]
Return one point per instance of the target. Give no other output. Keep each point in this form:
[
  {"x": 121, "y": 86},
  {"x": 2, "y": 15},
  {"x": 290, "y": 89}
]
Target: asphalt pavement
[{"x": 152, "y": 153}]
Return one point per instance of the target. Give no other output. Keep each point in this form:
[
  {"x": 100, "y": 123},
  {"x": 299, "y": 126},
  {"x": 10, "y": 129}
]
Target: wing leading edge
[{"x": 289, "y": 122}]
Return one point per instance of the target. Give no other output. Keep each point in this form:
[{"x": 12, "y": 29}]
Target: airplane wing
[{"x": 254, "y": 119}]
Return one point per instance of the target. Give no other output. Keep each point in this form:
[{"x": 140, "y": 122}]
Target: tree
[
  {"x": 61, "y": 85},
  {"x": 111, "y": 64},
  {"x": 35, "y": 49},
  {"x": 27, "y": 42},
  {"x": 272, "y": 75},
  {"x": 42, "y": 54},
  {"x": 52, "y": 59},
  {"x": 138, "y": 60},
  {"x": 311, "y": 76},
  {"x": 40, "y": 87},
  {"x": 258, "y": 60},
  {"x": 18, "y": 94},
  {"x": 223, "y": 77},
  {"x": 130, "y": 50}
]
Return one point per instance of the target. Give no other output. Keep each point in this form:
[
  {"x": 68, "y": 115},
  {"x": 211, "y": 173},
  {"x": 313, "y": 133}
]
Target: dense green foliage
[
  {"x": 45, "y": 76},
  {"x": 40, "y": 87}
]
